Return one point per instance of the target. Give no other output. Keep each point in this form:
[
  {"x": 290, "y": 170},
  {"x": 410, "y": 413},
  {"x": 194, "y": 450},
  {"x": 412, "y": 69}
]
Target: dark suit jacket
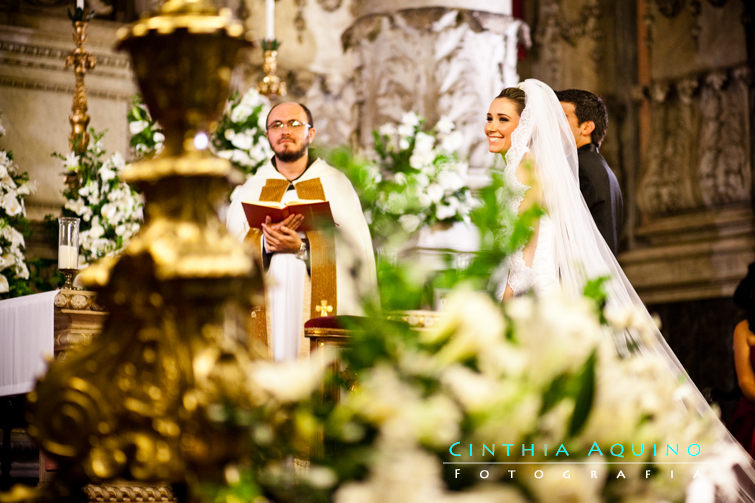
[{"x": 602, "y": 194}]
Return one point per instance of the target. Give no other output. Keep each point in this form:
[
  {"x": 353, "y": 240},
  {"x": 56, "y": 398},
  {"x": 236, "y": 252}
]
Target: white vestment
[{"x": 287, "y": 280}]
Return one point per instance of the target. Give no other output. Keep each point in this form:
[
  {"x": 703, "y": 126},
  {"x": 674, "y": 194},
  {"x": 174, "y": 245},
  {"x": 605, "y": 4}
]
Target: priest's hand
[
  {"x": 281, "y": 238},
  {"x": 292, "y": 222}
]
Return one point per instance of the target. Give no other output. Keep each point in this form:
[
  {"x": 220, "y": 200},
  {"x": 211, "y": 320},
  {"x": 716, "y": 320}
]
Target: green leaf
[
  {"x": 584, "y": 396},
  {"x": 595, "y": 290}
]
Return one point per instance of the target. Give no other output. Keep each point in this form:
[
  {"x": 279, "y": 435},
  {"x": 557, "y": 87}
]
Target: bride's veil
[{"x": 581, "y": 253}]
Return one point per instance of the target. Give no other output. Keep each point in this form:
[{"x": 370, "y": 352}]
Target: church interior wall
[{"x": 36, "y": 94}]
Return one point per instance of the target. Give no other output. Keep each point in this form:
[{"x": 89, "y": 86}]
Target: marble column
[{"x": 436, "y": 58}]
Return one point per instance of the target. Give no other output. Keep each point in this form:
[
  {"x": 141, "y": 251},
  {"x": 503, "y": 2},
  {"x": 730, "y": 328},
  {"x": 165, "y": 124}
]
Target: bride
[{"x": 527, "y": 125}]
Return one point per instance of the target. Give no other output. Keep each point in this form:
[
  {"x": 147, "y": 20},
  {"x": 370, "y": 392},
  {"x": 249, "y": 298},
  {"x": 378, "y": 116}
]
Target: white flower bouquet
[
  {"x": 110, "y": 210},
  {"x": 526, "y": 402},
  {"x": 240, "y": 134},
  {"x": 14, "y": 187},
  {"x": 421, "y": 176}
]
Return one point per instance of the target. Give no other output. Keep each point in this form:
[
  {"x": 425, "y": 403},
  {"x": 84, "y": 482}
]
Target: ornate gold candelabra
[
  {"x": 136, "y": 403},
  {"x": 271, "y": 84},
  {"x": 81, "y": 61}
]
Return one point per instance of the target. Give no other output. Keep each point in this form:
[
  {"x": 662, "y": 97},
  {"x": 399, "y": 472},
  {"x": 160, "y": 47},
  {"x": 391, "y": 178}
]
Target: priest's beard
[{"x": 291, "y": 156}]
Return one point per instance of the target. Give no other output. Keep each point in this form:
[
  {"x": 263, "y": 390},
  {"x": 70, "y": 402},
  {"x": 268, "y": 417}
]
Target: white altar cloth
[{"x": 27, "y": 335}]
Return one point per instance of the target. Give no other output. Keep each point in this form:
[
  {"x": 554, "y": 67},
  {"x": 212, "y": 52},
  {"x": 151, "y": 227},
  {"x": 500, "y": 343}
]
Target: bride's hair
[{"x": 516, "y": 95}]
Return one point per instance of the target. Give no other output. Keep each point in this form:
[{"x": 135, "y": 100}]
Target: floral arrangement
[
  {"x": 239, "y": 136},
  {"x": 14, "y": 187},
  {"x": 529, "y": 401},
  {"x": 412, "y": 179},
  {"x": 420, "y": 175},
  {"x": 110, "y": 210},
  {"x": 526, "y": 403}
]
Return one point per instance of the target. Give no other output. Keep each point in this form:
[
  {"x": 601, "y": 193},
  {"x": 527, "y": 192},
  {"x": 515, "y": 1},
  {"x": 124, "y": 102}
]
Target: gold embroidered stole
[
  {"x": 273, "y": 190},
  {"x": 322, "y": 257}
]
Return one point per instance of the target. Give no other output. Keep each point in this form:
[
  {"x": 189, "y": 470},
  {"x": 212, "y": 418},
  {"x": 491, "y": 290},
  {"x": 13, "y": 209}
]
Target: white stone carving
[
  {"x": 699, "y": 150},
  {"x": 331, "y": 100},
  {"x": 724, "y": 173},
  {"x": 560, "y": 31},
  {"x": 364, "y": 7},
  {"x": 436, "y": 62}
]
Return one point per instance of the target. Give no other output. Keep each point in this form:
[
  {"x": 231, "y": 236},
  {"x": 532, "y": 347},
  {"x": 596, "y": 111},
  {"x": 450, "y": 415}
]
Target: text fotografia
[
  {"x": 478, "y": 453},
  {"x": 565, "y": 473}
]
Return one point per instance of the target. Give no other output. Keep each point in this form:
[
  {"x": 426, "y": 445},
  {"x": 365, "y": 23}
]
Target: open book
[{"x": 317, "y": 214}]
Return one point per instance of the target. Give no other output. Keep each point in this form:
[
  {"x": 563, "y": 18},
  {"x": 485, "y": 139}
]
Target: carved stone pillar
[
  {"x": 572, "y": 30},
  {"x": 437, "y": 58}
]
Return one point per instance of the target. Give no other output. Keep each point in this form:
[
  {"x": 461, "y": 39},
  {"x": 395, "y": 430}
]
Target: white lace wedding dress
[{"x": 541, "y": 275}]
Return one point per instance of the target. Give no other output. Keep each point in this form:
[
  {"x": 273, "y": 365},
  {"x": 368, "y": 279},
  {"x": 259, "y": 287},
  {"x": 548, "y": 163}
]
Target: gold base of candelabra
[
  {"x": 271, "y": 84},
  {"x": 136, "y": 403},
  {"x": 69, "y": 274}
]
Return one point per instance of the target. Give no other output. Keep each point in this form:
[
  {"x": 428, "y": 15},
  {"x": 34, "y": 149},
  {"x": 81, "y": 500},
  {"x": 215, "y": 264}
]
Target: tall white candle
[
  {"x": 80, "y": 4},
  {"x": 270, "y": 11},
  {"x": 68, "y": 257}
]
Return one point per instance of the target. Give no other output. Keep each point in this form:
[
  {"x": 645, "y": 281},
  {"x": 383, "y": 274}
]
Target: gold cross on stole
[{"x": 324, "y": 308}]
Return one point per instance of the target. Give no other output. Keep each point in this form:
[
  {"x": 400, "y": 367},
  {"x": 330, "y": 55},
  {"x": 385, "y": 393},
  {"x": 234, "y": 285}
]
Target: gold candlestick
[
  {"x": 81, "y": 60},
  {"x": 271, "y": 84}
]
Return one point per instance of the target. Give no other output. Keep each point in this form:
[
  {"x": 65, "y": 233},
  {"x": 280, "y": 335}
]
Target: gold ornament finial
[
  {"x": 271, "y": 84},
  {"x": 81, "y": 61}
]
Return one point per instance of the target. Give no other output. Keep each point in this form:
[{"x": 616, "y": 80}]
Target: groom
[{"x": 588, "y": 119}]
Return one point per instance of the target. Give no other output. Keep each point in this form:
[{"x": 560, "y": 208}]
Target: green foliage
[
  {"x": 405, "y": 284},
  {"x": 595, "y": 290},
  {"x": 239, "y": 487},
  {"x": 501, "y": 233},
  {"x": 584, "y": 394}
]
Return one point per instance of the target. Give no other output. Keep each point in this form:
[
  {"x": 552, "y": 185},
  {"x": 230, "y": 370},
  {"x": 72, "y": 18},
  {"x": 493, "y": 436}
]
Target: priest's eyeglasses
[{"x": 292, "y": 124}]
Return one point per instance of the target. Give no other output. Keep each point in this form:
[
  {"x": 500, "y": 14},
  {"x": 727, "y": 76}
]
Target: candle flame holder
[
  {"x": 271, "y": 84},
  {"x": 68, "y": 249}
]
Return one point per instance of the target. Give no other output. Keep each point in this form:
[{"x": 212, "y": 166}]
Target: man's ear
[{"x": 586, "y": 128}]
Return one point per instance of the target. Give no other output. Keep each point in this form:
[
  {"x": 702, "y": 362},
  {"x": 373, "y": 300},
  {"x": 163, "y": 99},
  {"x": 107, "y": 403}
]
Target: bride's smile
[{"x": 502, "y": 120}]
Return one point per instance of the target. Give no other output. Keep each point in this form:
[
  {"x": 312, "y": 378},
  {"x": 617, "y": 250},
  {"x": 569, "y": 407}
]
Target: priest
[{"x": 321, "y": 272}]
